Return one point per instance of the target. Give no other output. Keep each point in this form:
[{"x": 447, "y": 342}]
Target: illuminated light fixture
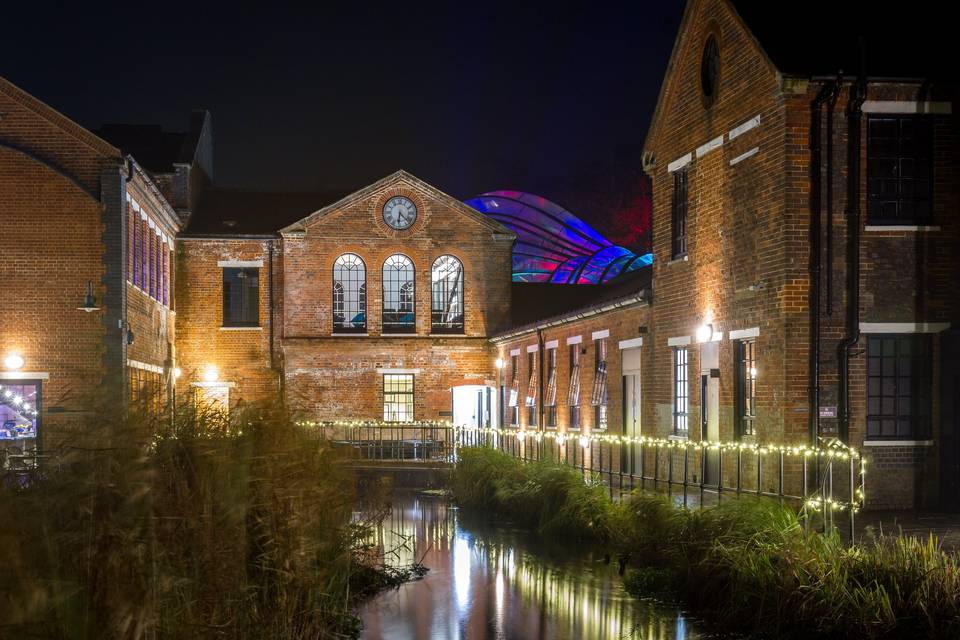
[
  {"x": 753, "y": 372},
  {"x": 705, "y": 332},
  {"x": 177, "y": 372},
  {"x": 89, "y": 301},
  {"x": 13, "y": 361},
  {"x": 500, "y": 363},
  {"x": 211, "y": 374}
]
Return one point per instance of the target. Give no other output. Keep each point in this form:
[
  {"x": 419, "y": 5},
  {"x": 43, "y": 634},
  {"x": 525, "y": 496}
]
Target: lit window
[
  {"x": 531, "y": 400},
  {"x": 398, "y": 397},
  {"x": 241, "y": 297},
  {"x": 681, "y": 392},
  {"x": 550, "y": 397},
  {"x": 514, "y": 390},
  {"x": 398, "y": 295},
  {"x": 349, "y": 294},
  {"x": 599, "y": 396},
  {"x": 447, "y": 306},
  {"x": 746, "y": 386},
  {"x": 573, "y": 395}
]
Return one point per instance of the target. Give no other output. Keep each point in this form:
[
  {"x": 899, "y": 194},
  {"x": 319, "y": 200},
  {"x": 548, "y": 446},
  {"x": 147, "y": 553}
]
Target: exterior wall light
[
  {"x": 89, "y": 301},
  {"x": 177, "y": 372},
  {"x": 211, "y": 374},
  {"x": 705, "y": 332},
  {"x": 500, "y": 363},
  {"x": 13, "y": 361}
]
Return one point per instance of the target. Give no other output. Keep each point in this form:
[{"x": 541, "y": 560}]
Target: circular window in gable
[{"x": 710, "y": 70}]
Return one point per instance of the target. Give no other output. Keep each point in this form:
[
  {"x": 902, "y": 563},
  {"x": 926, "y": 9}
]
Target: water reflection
[{"x": 493, "y": 582}]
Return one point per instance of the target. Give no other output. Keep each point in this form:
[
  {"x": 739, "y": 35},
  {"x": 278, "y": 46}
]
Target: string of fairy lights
[{"x": 833, "y": 450}]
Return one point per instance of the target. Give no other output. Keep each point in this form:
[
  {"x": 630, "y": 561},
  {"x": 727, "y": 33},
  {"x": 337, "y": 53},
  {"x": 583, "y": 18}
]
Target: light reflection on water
[{"x": 493, "y": 582}]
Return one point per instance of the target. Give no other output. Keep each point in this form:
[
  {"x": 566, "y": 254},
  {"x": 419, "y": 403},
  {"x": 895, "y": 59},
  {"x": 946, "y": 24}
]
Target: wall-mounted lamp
[
  {"x": 13, "y": 361},
  {"x": 210, "y": 374},
  {"x": 177, "y": 372},
  {"x": 89, "y": 301},
  {"x": 500, "y": 363},
  {"x": 705, "y": 332}
]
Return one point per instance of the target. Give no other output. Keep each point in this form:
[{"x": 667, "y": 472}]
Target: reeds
[
  {"x": 747, "y": 565},
  {"x": 209, "y": 527}
]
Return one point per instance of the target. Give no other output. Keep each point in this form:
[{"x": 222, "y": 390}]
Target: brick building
[
  {"x": 88, "y": 239},
  {"x": 801, "y": 284}
]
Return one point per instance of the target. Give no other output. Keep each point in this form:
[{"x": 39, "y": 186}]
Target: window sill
[
  {"x": 898, "y": 443},
  {"x": 226, "y": 328},
  {"x": 444, "y": 334},
  {"x": 683, "y": 258},
  {"x": 349, "y": 335},
  {"x": 901, "y": 227},
  {"x": 678, "y": 438},
  {"x": 398, "y": 335}
]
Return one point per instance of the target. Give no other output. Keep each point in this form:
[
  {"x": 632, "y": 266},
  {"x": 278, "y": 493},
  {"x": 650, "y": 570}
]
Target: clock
[{"x": 399, "y": 213}]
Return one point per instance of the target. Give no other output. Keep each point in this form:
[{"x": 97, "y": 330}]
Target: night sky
[{"x": 469, "y": 97}]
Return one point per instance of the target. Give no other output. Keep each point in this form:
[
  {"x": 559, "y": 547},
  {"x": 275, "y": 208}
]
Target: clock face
[{"x": 399, "y": 212}]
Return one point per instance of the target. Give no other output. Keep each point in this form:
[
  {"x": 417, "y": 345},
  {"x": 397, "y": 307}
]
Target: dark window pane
[
  {"x": 899, "y": 166},
  {"x": 241, "y": 298}
]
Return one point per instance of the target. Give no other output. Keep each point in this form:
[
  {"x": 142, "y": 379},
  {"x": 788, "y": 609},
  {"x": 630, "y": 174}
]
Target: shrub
[{"x": 209, "y": 527}]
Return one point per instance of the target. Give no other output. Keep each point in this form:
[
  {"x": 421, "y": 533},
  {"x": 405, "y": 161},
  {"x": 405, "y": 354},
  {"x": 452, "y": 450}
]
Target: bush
[
  {"x": 747, "y": 564},
  {"x": 211, "y": 527}
]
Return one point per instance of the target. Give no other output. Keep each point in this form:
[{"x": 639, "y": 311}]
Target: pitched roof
[
  {"x": 58, "y": 119},
  {"x": 411, "y": 181},
  {"x": 237, "y": 212},
  {"x": 822, "y": 37},
  {"x": 155, "y": 149},
  {"x": 534, "y": 303}
]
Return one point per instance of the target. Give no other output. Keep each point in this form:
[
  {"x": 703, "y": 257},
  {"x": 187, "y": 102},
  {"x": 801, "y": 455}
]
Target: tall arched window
[
  {"x": 349, "y": 294},
  {"x": 447, "y": 307},
  {"x": 398, "y": 295}
]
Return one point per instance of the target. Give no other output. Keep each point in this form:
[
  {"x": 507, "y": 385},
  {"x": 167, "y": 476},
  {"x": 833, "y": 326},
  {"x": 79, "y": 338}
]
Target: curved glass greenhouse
[{"x": 553, "y": 245}]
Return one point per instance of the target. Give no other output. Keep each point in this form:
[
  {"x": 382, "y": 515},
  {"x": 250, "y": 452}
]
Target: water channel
[{"x": 492, "y": 581}]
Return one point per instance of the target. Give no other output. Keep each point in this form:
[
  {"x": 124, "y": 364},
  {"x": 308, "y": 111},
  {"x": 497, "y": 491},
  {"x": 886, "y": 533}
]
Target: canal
[{"x": 492, "y": 581}]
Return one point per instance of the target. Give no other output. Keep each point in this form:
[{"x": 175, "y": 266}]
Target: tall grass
[
  {"x": 213, "y": 527},
  {"x": 747, "y": 564}
]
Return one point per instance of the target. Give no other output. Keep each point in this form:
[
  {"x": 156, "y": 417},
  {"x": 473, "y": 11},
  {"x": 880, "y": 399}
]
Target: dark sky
[{"x": 467, "y": 96}]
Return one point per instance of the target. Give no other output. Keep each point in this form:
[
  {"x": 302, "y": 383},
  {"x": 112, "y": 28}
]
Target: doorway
[
  {"x": 474, "y": 405},
  {"x": 631, "y": 459},
  {"x": 21, "y": 403},
  {"x": 950, "y": 420},
  {"x": 710, "y": 409}
]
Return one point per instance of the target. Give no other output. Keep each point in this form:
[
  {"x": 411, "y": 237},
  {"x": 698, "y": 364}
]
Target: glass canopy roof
[{"x": 553, "y": 245}]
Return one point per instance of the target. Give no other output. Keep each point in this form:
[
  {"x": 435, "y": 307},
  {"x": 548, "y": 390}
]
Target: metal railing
[
  {"x": 390, "y": 441},
  {"x": 826, "y": 481}
]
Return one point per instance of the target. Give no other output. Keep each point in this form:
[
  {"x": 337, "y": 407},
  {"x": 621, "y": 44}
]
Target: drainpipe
[
  {"x": 831, "y": 103},
  {"x": 858, "y": 94},
  {"x": 816, "y": 110}
]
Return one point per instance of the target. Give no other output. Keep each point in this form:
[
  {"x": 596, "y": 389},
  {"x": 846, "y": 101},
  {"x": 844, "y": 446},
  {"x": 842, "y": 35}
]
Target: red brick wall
[
  {"x": 242, "y": 355},
  {"x": 740, "y": 269},
  {"x": 336, "y": 377},
  {"x": 52, "y": 247}
]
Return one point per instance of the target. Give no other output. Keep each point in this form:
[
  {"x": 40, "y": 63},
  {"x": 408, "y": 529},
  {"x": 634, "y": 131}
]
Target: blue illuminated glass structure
[{"x": 553, "y": 245}]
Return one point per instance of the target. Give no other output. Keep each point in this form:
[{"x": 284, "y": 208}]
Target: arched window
[
  {"x": 398, "y": 295},
  {"x": 349, "y": 294},
  {"x": 447, "y": 284}
]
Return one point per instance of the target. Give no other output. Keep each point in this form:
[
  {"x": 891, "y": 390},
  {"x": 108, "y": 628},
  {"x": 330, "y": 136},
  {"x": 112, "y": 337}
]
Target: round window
[{"x": 710, "y": 69}]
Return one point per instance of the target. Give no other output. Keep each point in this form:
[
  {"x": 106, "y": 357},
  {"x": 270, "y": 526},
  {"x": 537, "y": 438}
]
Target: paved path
[{"x": 920, "y": 524}]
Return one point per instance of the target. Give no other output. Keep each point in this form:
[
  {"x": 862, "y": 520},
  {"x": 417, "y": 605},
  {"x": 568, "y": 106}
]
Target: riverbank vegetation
[
  {"x": 214, "y": 527},
  {"x": 747, "y": 565}
]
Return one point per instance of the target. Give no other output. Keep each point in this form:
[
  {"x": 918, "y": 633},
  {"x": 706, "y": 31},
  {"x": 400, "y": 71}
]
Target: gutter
[
  {"x": 173, "y": 219},
  {"x": 642, "y": 297}
]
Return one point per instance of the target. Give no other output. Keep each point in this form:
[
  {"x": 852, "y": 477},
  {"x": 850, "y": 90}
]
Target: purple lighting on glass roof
[{"x": 553, "y": 245}]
